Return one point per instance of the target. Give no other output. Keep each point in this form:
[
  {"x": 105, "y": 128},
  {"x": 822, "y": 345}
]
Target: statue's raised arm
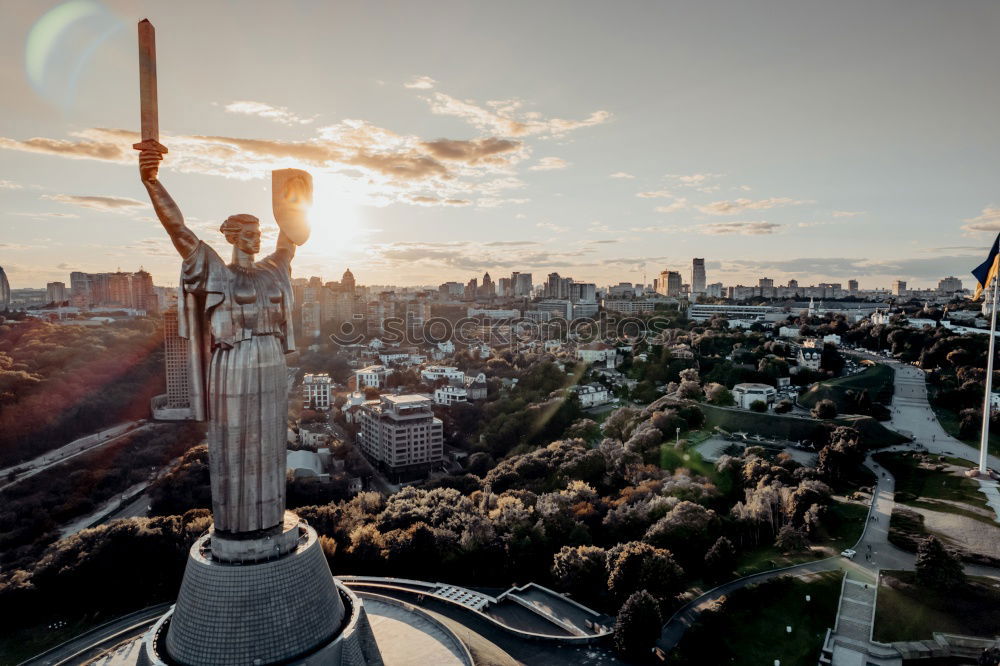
[{"x": 170, "y": 215}]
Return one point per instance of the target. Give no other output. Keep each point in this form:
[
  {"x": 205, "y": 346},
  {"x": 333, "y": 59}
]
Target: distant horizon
[{"x": 824, "y": 143}]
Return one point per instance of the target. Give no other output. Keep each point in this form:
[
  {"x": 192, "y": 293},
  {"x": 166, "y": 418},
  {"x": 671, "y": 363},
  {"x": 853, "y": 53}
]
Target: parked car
[{"x": 849, "y": 553}]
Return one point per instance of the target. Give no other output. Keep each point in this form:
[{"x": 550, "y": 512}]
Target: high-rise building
[
  {"x": 4, "y": 291},
  {"x": 949, "y": 285},
  {"x": 488, "y": 289},
  {"x": 765, "y": 283},
  {"x": 521, "y": 283},
  {"x": 674, "y": 283},
  {"x": 585, "y": 292},
  {"x": 504, "y": 288},
  {"x": 899, "y": 287},
  {"x": 471, "y": 289},
  {"x": 400, "y": 433},
  {"x": 852, "y": 286},
  {"x": 793, "y": 284},
  {"x": 175, "y": 404},
  {"x": 347, "y": 282},
  {"x": 697, "y": 276},
  {"x": 55, "y": 292}
]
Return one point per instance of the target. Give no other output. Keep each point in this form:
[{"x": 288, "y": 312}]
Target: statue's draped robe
[{"x": 238, "y": 322}]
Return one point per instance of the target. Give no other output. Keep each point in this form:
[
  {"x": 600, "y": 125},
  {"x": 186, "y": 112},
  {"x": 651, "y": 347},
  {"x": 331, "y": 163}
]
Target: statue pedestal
[{"x": 283, "y": 607}]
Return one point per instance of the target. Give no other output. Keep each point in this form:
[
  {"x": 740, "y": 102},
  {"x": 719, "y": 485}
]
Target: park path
[{"x": 849, "y": 642}]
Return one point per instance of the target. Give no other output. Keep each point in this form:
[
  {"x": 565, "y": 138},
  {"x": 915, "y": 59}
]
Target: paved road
[{"x": 68, "y": 451}]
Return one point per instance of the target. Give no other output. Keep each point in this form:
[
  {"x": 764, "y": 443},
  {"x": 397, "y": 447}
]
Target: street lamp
[{"x": 677, "y": 440}]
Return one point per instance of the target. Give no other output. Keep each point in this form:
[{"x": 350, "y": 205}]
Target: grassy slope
[
  {"x": 750, "y": 626},
  {"x": 949, "y": 420},
  {"x": 920, "y": 488},
  {"x": 905, "y": 612},
  {"x": 878, "y": 380}
]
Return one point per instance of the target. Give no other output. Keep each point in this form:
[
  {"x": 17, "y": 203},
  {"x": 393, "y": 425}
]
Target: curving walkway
[{"x": 913, "y": 417}]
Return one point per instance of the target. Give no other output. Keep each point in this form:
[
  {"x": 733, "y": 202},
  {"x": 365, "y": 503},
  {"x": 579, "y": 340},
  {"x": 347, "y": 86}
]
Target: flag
[{"x": 987, "y": 270}]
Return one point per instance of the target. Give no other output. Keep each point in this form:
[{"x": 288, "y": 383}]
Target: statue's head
[{"x": 243, "y": 231}]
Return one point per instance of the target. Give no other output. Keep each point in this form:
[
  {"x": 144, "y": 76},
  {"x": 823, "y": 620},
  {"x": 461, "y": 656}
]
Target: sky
[{"x": 607, "y": 141}]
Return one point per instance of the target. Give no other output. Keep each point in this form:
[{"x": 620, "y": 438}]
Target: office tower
[
  {"x": 697, "y": 276},
  {"x": 347, "y": 282},
  {"x": 852, "y": 286}
]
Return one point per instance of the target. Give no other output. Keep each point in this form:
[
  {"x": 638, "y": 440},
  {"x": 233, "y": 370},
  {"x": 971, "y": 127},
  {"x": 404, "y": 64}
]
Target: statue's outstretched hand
[{"x": 149, "y": 165}]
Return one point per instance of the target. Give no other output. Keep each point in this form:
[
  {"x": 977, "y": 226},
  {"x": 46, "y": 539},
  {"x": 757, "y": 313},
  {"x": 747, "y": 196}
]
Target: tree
[
  {"x": 575, "y": 568},
  {"x": 758, "y": 406},
  {"x": 937, "y": 567},
  {"x": 638, "y": 625},
  {"x": 791, "y": 540},
  {"x": 718, "y": 394},
  {"x": 636, "y": 565},
  {"x": 720, "y": 560},
  {"x": 824, "y": 409},
  {"x": 783, "y": 407}
]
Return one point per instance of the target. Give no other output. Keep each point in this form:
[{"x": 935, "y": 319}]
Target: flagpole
[{"x": 985, "y": 438}]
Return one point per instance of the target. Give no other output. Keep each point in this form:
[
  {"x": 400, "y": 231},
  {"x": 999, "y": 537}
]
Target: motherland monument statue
[{"x": 257, "y": 588}]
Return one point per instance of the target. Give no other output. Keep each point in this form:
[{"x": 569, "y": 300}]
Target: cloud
[
  {"x": 847, "y": 213},
  {"x": 741, "y": 228},
  {"x": 10, "y": 185},
  {"x": 510, "y": 243},
  {"x": 916, "y": 268},
  {"x": 698, "y": 181},
  {"x": 474, "y": 151},
  {"x": 621, "y": 174},
  {"x": 740, "y": 205},
  {"x": 655, "y": 194},
  {"x": 278, "y": 114},
  {"x": 988, "y": 220},
  {"x": 549, "y": 163},
  {"x": 420, "y": 83},
  {"x": 552, "y": 227},
  {"x": 384, "y": 166},
  {"x": 111, "y": 204},
  {"x": 45, "y": 214},
  {"x": 505, "y": 117},
  {"x": 673, "y": 206},
  {"x": 428, "y": 200}
]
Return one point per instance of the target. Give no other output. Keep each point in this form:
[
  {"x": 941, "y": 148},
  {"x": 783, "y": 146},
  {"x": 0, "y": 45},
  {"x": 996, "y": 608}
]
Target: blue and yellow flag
[{"x": 987, "y": 270}]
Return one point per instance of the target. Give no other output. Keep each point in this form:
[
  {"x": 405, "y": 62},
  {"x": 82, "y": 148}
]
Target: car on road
[{"x": 849, "y": 553}]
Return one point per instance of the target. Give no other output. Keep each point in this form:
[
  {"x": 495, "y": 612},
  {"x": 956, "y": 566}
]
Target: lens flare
[{"x": 60, "y": 45}]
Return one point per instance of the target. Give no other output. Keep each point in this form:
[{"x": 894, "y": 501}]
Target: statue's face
[{"x": 249, "y": 239}]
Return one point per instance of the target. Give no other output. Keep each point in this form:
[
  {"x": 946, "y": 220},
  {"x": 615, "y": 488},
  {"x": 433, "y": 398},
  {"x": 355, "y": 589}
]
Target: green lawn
[
  {"x": 877, "y": 380},
  {"x": 949, "y": 420},
  {"x": 907, "y": 612},
  {"x": 671, "y": 458},
  {"x": 924, "y": 488},
  {"x": 749, "y": 628}
]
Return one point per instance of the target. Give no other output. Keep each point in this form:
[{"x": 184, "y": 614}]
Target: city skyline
[{"x": 843, "y": 142}]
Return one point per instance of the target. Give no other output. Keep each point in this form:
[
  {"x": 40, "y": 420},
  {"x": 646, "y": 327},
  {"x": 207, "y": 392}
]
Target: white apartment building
[
  {"x": 453, "y": 375},
  {"x": 399, "y": 433},
  {"x": 628, "y": 306},
  {"x": 373, "y": 375},
  {"x": 597, "y": 352},
  {"x": 591, "y": 395},
  {"x": 317, "y": 389},
  {"x": 449, "y": 395},
  {"x": 746, "y": 394}
]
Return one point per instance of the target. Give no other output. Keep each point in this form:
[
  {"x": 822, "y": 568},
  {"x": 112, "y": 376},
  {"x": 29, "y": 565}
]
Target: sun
[{"x": 336, "y": 220}]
